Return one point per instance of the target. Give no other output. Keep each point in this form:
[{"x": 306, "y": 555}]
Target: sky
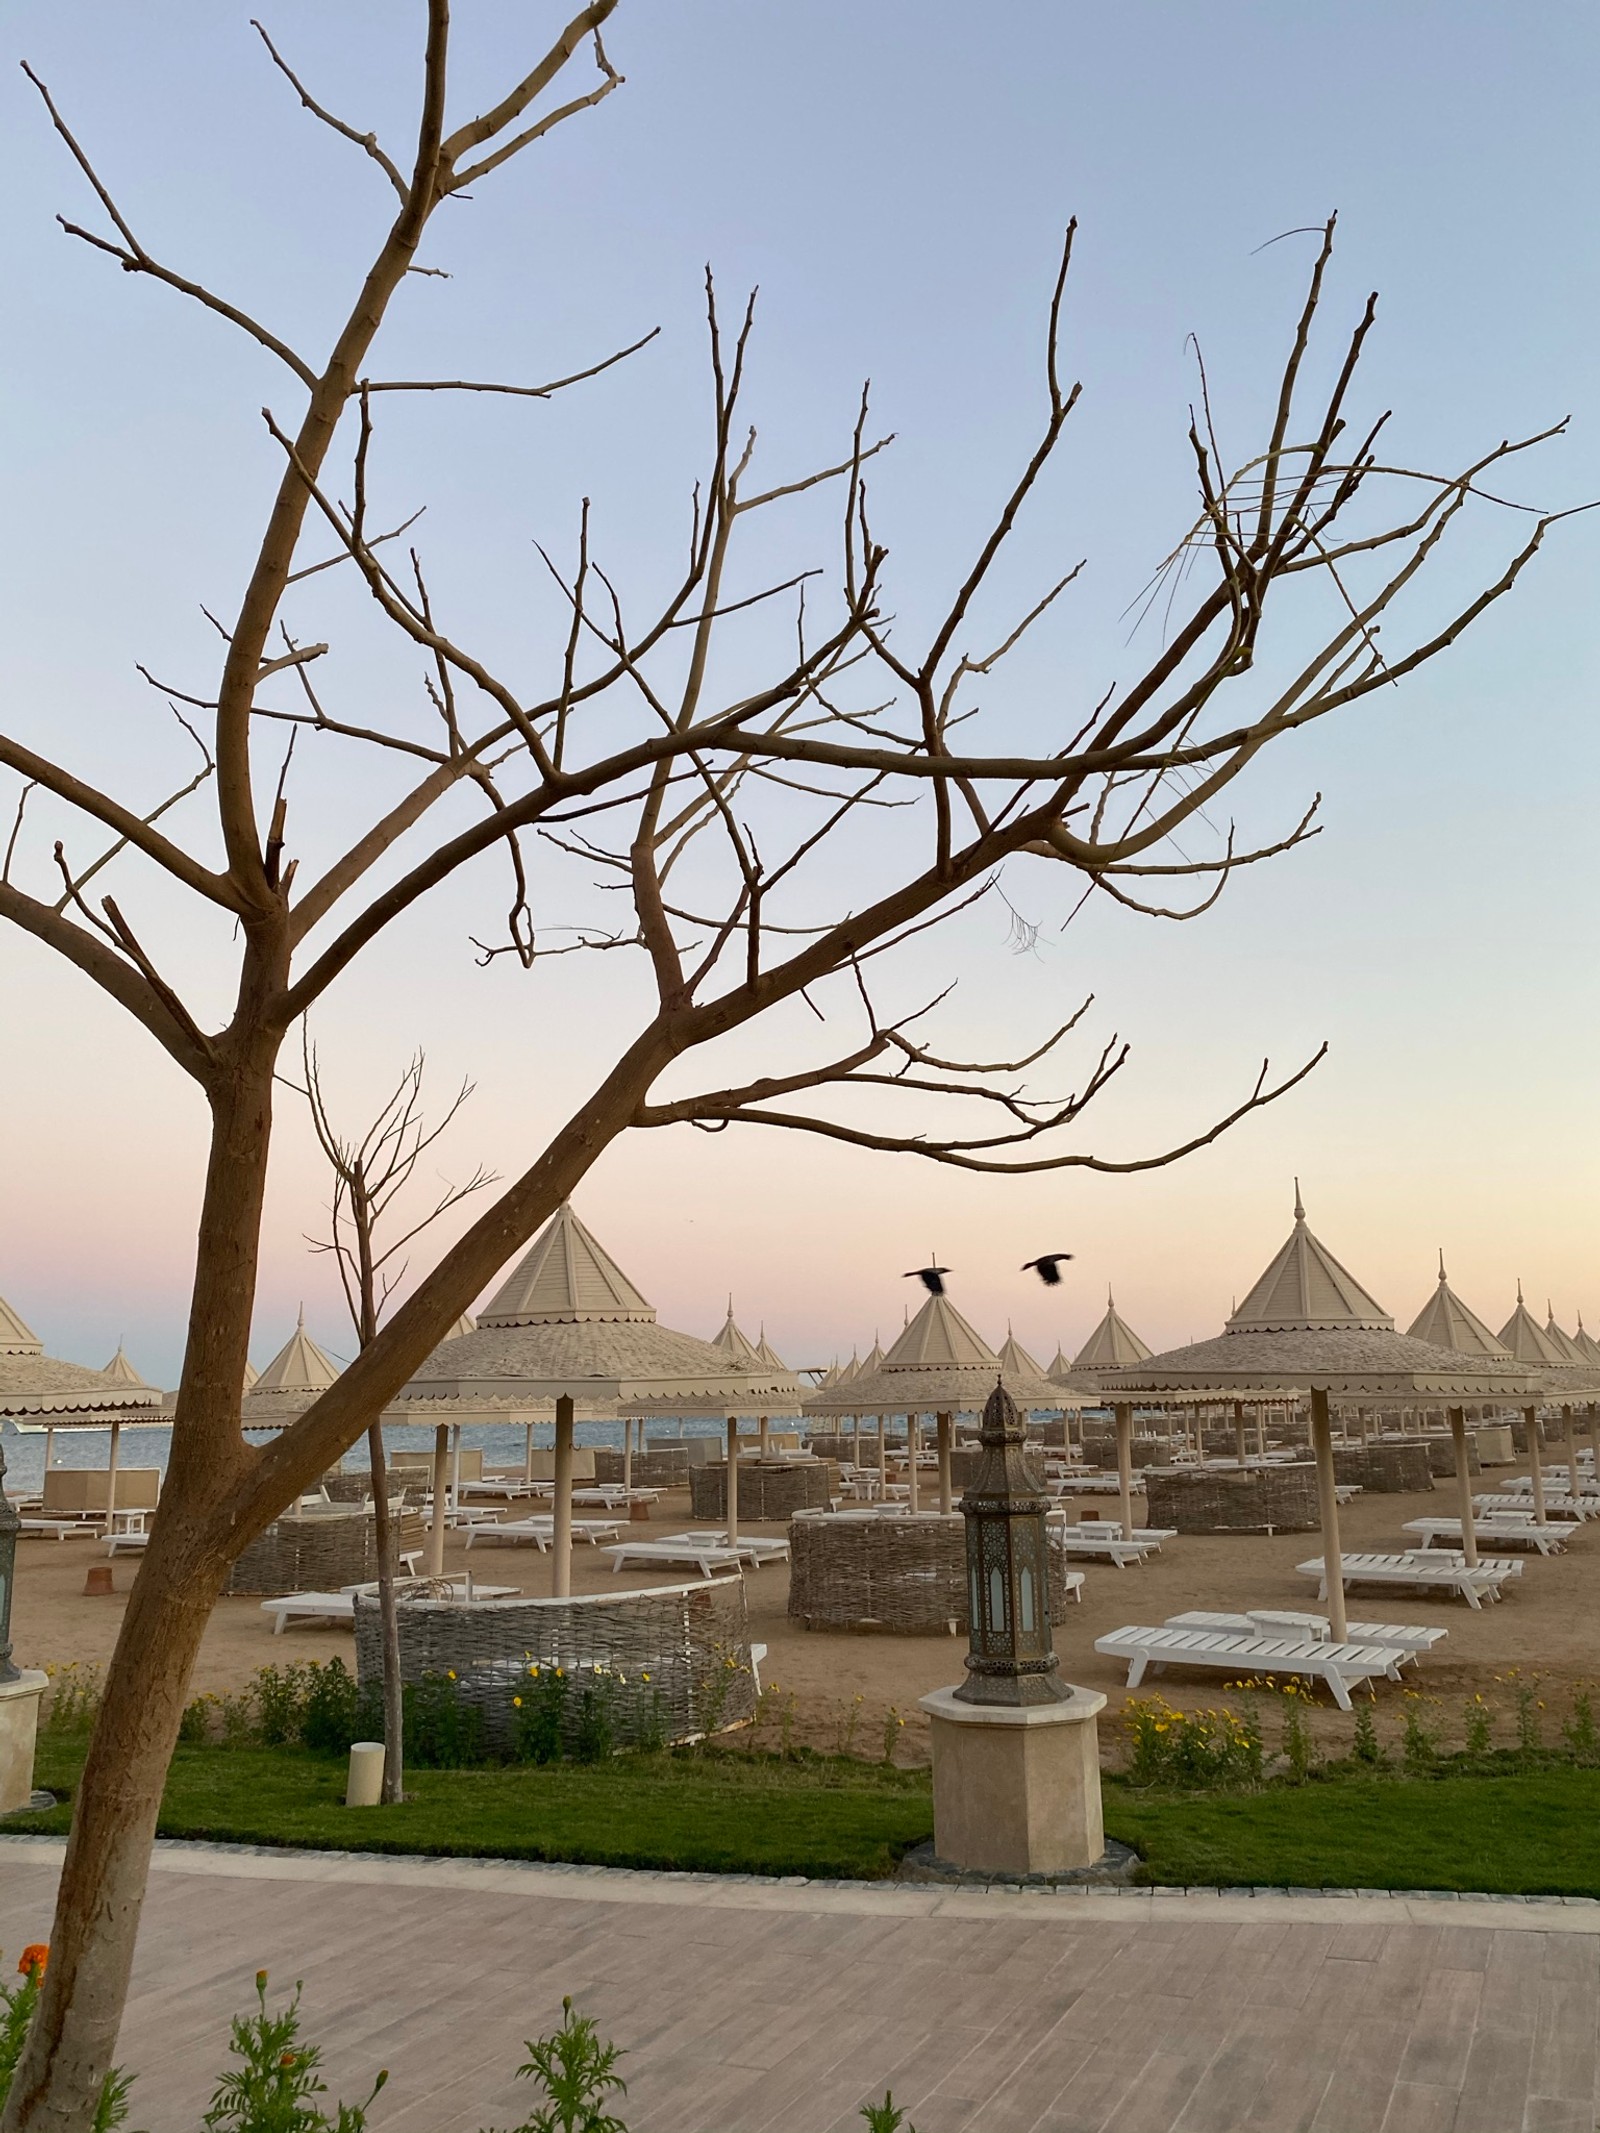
[{"x": 895, "y": 178}]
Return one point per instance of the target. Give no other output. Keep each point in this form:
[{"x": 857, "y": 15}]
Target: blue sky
[{"x": 895, "y": 177}]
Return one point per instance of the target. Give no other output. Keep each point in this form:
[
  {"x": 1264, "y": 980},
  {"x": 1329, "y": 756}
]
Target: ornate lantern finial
[{"x": 1010, "y": 1656}]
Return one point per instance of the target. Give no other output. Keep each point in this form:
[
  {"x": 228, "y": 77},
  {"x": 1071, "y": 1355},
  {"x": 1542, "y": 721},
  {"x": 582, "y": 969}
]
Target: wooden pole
[
  {"x": 441, "y": 1457},
  {"x": 946, "y": 1492},
  {"x": 561, "y": 1536},
  {"x": 1572, "y": 1448},
  {"x": 1124, "y": 1418},
  {"x": 763, "y": 1439},
  {"x": 111, "y": 1481},
  {"x": 733, "y": 1481},
  {"x": 50, "y": 1442},
  {"x": 527, "y": 1453},
  {"x": 1332, "y": 1555},
  {"x": 1238, "y": 1432},
  {"x": 1469, "y": 1527},
  {"x": 913, "y": 1446},
  {"x": 455, "y": 1469},
  {"x": 1530, "y": 1416},
  {"x": 883, "y": 1457},
  {"x": 627, "y": 1451},
  {"x": 1594, "y": 1438}
]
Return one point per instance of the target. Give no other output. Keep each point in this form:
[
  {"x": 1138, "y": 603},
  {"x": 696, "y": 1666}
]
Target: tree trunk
[
  {"x": 389, "y": 1621},
  {"x": 193, "y": 1539}
]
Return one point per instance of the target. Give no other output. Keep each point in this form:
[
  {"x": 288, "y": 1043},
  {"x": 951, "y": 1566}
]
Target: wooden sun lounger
[
  {"x": 634, "y": 1555},
  {"x": 1424, "y": 1570},
  {"x": 1336, "y": 1664},
  {"x": 1405, "y": 1637},
  {"x": 541, "y": 1531},
  {"x": 1504, "y": 1532}
]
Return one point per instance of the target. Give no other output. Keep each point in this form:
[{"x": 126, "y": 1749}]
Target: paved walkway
[{"x": 752, "y": 2007}]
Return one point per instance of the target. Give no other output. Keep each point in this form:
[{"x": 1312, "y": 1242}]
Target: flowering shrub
[
  {"x": 1190, "y": 1748},
  {"x": 17, "y": 2003},
  {"x": 272, "y": 2090}
]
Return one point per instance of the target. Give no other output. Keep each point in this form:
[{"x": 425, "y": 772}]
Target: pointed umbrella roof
[
  {"x": 566, "y": 1278},
  {"x": 769, "y": 1355},
  {"x": 291, "y": 1381},
  {"x": 1524, "y": 1337},
  {"x": 737, "y": 1346},
  {"x": 939, "y": 1365},
  {"x": 1306, "y": 1290},
  {"x": 1563, "y": 1342},
  {"x": 1015, "y": 1358},
  {"x": 1059, "y": 1368},
  {"x": 1309, "y": 1325},
  {"x": 33, "y": 1383},
  {"x": 1113, "y": 1345},
  {"x": 1445, "y": 1320},
  {"x": 1586, "y": 1344},
  {"x": 121, "y": 1372},
  {"x": 569, "y": 1321}
]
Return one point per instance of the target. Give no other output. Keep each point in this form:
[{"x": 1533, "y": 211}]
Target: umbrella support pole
[
  {"x": 1124, "y": 1416},
  {"x": 913, "y": 1447},
  {"x": 441, "y": 1459},
  {"x": 561, "y": 1535},
  {"x": 946, "y": 1491},
  {"x": 1469, "y": 1528},
  {"x": 1530, "y": 1416},
  {"x": 733, "y": 1481},
  {"x": 1332, "y": 1556}
]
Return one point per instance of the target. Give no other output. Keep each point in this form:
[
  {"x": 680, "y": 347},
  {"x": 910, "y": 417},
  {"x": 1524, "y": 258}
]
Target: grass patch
[
  {"x": 715, "y": 1813},
  {"x": 1534, "y": 1833}
]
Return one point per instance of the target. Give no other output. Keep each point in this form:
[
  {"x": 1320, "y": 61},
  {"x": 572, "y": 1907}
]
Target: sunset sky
[{"x": 895, "y": 178}]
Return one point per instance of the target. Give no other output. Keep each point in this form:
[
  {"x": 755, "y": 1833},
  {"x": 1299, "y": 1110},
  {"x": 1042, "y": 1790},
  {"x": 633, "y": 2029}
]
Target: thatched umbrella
[
  {"x": 1524, "y": 1338},
  {"x": 568, "y": 1326},
  {"x": 1308, "y": 1329},
  {"x": 939, "y": 1366},
  {"x": 37, "y": 1391}
]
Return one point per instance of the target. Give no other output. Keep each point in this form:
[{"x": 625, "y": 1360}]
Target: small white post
[{"x": 364, "y": 1787}]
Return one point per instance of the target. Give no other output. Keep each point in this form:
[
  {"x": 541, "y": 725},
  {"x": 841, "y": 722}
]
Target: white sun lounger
[
  {"x": 341, "y": 1606},
  {"x": 62, "y": 1528},
  {"x": 540, "y": 1530},
  {"x": 1336, "y": 1664},
  {"x": 1102, "y": 1547},
  {"x": 751, "y": 1548},
  {"x": 1504, "y": 1532},
  {"x": 1422, "y": 1569},
  {"x": 682, "y": 1554},
  {"x": 612, "y": 1496},
  {"x": 1569, "y": 1507},
  {"x": 1407, "y": 1637},
  {"x": 1152, "y": 1536}
]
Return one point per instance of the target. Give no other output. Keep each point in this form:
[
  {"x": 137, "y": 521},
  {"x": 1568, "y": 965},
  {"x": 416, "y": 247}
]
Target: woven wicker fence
[
  {"x": 672, "y": 1665},
  {"x": 664, "y": 1466},
  {"x": 770, "y": 1493},
  {"x": 1263, "y": 1499},
  {"x": 906, "y": 1577},
  {"x": 1399, "y": 1469},
  {"x": 319, "y": 1552}
]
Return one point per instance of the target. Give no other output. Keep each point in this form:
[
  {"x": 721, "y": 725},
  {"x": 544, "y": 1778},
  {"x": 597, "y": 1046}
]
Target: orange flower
[
  {"x": 286, "y": 2059},
  {"x": 34, "y": 1957}
]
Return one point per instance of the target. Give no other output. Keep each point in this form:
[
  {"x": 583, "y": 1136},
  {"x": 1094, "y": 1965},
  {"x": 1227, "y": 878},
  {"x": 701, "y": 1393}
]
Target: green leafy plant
[
  {"x": 1298, "y": 1744},
  {"x": 330, "y": 1708},
  {"x": 1366, "y": 1747},
  {"x": 74, "y": 1697},
  {"x": 885, "y": 2117},
  {"x": 1191, "y": 1748},
  {"x": 443, "y": 1730},
  {"x": 540, "y": 1722},
  {"x": 1477, "y": 1731},
  {"x": 17, "y": 2003},
  {"x": 1530, "y": 1733},
  {"x": 1578, "y": 1729},
  {"x": 893, "y": 1727},
  {"x": 576, "y": 2069},
  {"x": 721, "y": 1679},
  {"x": 1419, "y": 1747},
  {"x": 275, "y": 2087},
  {"x": 849, "y": 1726}
]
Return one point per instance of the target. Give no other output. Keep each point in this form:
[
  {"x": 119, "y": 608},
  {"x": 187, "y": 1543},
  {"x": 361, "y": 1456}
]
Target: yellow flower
[{"x": 517, "y": 1700}]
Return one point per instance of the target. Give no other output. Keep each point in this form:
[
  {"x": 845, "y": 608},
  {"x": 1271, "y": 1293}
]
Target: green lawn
[
  {"x": 716, "y": 1813},
  {"x": 1531, "y": 1833}
]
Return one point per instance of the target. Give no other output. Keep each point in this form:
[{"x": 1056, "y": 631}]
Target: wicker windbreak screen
[{"x": 670, "y": 1665}]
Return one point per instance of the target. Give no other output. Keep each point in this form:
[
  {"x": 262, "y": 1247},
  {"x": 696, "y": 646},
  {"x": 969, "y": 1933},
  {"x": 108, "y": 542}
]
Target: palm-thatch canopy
[
  {"x": 938, "y": 1366},
  {"x": 1446, "y": 1321},
  {"x": 1546, "y": 1350},
  {"x": 754, "y": 1357},
  {"x": 569, "y": 1322},
  {"x": 35, "y": 1384},
  {"x": 1309, "y": 1325}
]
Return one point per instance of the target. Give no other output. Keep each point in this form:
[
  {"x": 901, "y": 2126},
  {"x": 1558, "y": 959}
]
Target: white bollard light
[{"x": 365, "y": 1788}]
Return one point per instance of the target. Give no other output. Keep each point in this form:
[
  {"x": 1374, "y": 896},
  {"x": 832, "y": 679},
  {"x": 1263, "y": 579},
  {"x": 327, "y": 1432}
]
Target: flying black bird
[
  {"x": 1048, "y": 1267},
  {"x": 931, "y": 1278}
]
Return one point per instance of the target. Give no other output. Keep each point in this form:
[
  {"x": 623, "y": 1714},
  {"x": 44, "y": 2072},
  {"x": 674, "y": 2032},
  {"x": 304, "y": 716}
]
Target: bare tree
[
  {"x": 735, "y": 823},
  {"x": 369, "y": 1177}
]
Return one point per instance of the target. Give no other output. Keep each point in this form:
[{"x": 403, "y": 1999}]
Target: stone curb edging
[{"x": 622, "y": 1884}]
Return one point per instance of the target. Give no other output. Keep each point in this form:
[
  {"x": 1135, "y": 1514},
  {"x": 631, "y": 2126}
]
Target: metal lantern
[
  {"x": 10, "y": 1525},
  {"x": 1010, "y": 1657}
]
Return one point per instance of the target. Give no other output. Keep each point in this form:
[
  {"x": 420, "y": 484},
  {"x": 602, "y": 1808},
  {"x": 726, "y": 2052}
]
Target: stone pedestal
[
  {"x": 1016, "y": 1791},
  {"x": 19, "y": 1729}
]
